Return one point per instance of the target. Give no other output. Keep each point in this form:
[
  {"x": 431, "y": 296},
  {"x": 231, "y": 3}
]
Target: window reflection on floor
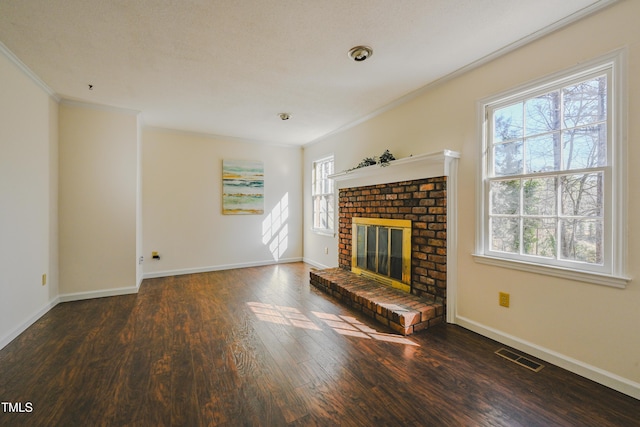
[{"x": 344, "y": 325}]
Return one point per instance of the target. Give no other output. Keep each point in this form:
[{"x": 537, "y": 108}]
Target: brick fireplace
[
  {"x": 424, "y": 203},
  {"x": 421, "y": 189}
]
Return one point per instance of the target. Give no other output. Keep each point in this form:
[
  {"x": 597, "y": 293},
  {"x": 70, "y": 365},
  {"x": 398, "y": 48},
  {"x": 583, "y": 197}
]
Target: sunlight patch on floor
[
  {"x": 282, "y": 315},
  {"x": 343, "y": 325},
  {"x": 348, "y": 325}
]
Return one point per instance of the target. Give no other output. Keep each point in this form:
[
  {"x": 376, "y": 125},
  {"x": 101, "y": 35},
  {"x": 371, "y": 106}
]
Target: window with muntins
[
  {"x": 323, "y": 195},
  {"x": 550, "y": 174}
]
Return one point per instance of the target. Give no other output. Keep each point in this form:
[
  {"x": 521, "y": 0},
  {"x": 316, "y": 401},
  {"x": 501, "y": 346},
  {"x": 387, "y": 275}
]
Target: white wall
[
  {"x": 28, "y": 199},
  {"x": 182, "y": 205},
  {"x": 98, "y": 206},
  {"x": 590, "y": 329}
]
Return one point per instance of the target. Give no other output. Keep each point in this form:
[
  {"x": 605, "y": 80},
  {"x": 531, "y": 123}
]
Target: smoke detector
[
  {"x": 284, "y": 116},
  {"x": 360, "y": 53}
]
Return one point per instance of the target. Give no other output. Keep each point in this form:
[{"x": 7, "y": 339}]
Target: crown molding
[
  {"x": 27, "y": 71},
  {"x": 222, "y": 138},
  {"x": 101, "y": 107}
]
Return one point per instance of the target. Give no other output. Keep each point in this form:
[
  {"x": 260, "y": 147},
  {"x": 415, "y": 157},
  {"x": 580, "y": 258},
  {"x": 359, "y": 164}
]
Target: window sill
[
  {"x": 581, "y": 276},
  {"x": 323, "y": 232}
]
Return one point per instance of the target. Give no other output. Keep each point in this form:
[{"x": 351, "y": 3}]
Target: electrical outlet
[
  {"x": 326, "y": 250},
  {"x": 503, "y": 299},
  {"x": 44, "y": 279}
]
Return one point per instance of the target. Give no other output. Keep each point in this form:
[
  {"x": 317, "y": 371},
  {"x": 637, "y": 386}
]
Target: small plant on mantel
[
  {"x": 385, "y": 158},
  {"x": 383, "y": 161},
  {"x": 367, "y": 161}
]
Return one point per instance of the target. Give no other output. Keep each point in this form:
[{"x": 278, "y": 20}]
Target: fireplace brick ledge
[{"x": 404, "y": 313}]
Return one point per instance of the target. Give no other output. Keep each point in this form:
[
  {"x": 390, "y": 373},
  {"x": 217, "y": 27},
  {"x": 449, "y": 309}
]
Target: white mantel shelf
[{"x": 441, "y": 163}]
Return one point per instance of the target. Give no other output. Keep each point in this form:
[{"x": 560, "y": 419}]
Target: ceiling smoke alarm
[
  {"x": 360, "y": 53},
  {"x": 284, "y": 116}
]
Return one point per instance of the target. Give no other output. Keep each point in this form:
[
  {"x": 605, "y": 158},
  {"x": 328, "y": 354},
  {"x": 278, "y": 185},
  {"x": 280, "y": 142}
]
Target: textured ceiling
[{"x": 229, "y": 67}]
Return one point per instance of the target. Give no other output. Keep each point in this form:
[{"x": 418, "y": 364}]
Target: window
[
  {"x": 323, "y": 195},
  {"x": 552, "y": 176}
]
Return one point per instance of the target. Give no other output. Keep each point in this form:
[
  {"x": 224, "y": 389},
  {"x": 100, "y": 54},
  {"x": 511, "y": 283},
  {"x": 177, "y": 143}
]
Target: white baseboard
[
  {"x": 608, "y": 379},
  {"x": 30, "y": 321},
  {"x": 64, "y": 298},
  {"x": 78, "y": 296},
  {"x": 314, "y": 263},
  {"x": 166, "y": 273},
  {"x": 139, "y": 279}
]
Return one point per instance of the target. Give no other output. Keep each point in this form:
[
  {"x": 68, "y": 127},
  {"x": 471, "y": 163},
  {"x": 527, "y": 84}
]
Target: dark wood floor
[{"x": 260, "y": 347}]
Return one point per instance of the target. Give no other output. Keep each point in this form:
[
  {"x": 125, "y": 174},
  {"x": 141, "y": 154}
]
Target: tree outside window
[{"x": 550, "y": 197}]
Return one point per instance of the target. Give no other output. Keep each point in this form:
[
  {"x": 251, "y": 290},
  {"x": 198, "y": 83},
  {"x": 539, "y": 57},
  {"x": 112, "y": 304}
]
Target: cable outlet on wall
[{"x": 326, "y": 250}]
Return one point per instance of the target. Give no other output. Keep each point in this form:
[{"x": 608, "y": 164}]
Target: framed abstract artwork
[{"x": 242, "y": 187}]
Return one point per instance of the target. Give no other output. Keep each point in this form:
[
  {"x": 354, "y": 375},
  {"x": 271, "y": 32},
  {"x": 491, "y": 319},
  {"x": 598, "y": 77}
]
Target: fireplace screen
[{"x": 381, "y": 248}]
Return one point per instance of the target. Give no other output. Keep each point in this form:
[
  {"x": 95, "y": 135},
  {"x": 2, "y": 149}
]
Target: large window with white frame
[
  {"x": 553, "y": 176},
  {"x": 322, "y": 191}
]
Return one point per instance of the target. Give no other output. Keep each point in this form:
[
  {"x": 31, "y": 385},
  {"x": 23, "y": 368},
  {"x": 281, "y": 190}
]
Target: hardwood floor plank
[{"x": 261, "y": 347}]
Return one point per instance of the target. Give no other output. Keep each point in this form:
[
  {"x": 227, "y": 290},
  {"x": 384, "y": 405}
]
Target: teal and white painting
[{"x": 242, "y": 187}]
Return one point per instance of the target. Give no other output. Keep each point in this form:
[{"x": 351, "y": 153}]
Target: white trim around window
[
  {"x": 323, "y": 199},
  {"x": 610, "y": 268}
]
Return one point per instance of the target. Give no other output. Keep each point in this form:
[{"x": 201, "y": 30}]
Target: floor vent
[{"x": 519, "y": 359}]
